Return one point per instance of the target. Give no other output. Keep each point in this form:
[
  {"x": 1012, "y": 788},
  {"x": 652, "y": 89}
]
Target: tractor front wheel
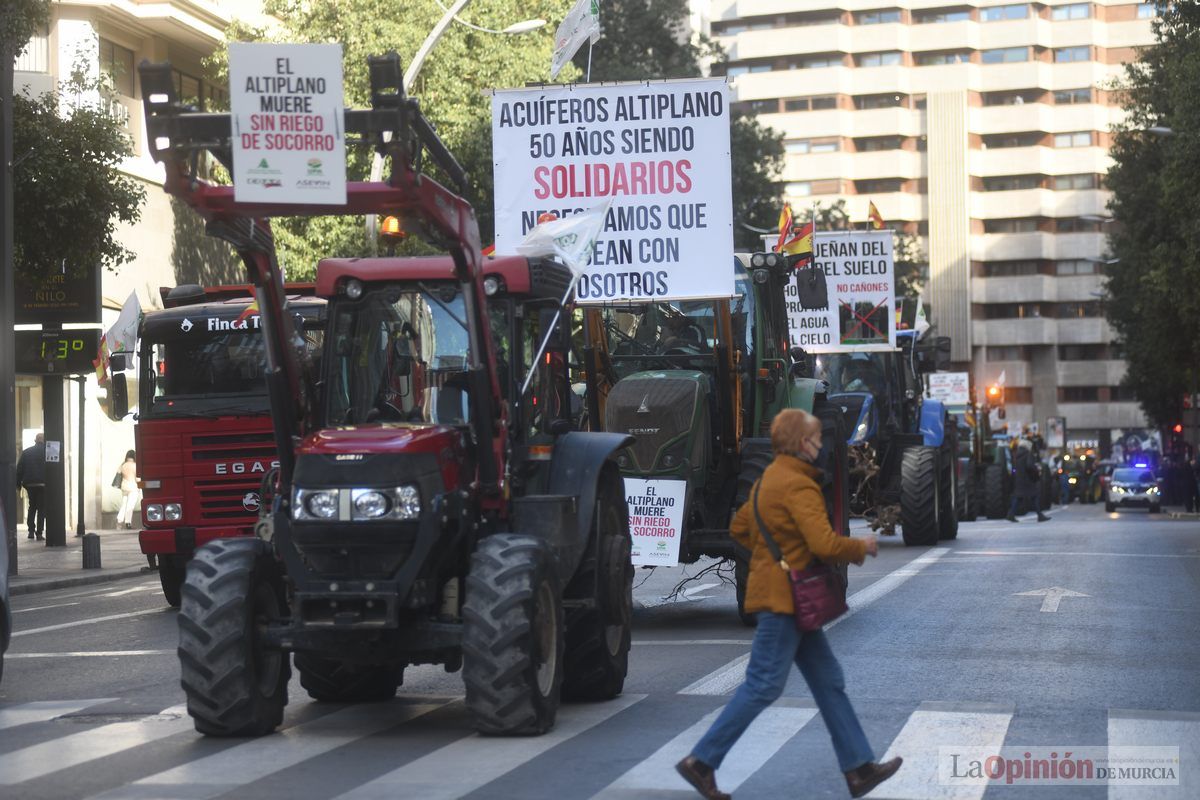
[
  {"x": 995, "y": 503},
  {"x": 920, "y": 501}
]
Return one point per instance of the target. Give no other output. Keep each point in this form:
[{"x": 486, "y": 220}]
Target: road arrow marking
[{"x": 1051, "y": 597}]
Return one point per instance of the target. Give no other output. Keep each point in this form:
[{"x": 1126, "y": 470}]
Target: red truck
[{"x": 203, "y": 436}]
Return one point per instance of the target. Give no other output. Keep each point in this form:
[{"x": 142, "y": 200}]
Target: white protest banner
[
  {"x": 862, "y": 295},
  {"x": 660, "y": 151},
  {"x": 952, "y": 388},
  {"x": 288, "y": 139},
  {"x": 655, "y": 520}
]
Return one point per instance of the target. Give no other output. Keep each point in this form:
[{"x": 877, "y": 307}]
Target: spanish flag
[
  {"x": 873, "y": 216},
  {"x": 801, "y": 243},
  {"x": 785, "y": 227}
]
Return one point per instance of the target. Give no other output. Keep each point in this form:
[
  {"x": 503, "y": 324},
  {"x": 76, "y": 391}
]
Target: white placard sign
[
  {"x": 655, "y": 520},
  {"x": 952, "y": 388},
  {"x": 862, "y": 295},
  {"x": 288, "y": 139},
  {"x": 659, "y": 150}
]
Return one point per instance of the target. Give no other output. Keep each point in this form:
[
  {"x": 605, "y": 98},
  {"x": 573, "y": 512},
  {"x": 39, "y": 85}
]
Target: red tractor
[{"x": 425, "y": 510}]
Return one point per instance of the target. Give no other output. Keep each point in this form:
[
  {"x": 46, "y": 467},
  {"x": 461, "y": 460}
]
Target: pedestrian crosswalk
[{"x": 423, "y": 747}]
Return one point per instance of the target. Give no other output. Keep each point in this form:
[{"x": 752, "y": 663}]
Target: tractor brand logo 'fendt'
[
  {"x": 644, "y": 408},
  {"x": 644, "y": 431},
  {"x": 244, "y": 468}
]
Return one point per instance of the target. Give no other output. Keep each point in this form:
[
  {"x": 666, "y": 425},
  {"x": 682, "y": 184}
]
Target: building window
[
  {"x": 1009, "y": 269},
  {"x": 1122, "y": 394},
  {"x": 796, "y": 147},
  {"x": 1002, "y": 13},
  {"x": 1066, "y": 97},
  {"x": 1073, "y": 11},
  {"x": 934, "y": 59},
  {"x": 810, "y": 103},
  {"x": 1005, "y": 55},
  {"x": 1017, "y": 98},
  {"x": 1063, "y": 55},
  {"x": 1073, "y": 139},
  {"x": 824, "y": 103},
  {"x": 116, "y": 63},
  {"x": 798, "y": 189},
  {"x": 1079, "y": 394},
  {"x": 874, "y": 144},
  {"x": 1075, "y": 225},
  {"x": 1147, "y": 11},
  {"x": 1066, "y": 182},
  {"x": 940, "y": 15},
  {"x": 877, "y": 17},
  {"x": 1011, "y": 183},
  {"x": 1085, "y": 352},
  {"x": 1077, "y": 310},
  {"x": 802, "y": 146},
  {"x": 36, "y": 55},
  {"x": 1012, "y": 311},
  {"x": 1012, "y": 352},
  {"x": 864, "y": 102},
  {"x": 879, "y": 186},
  {"x": 1001, "y": 140},
  {"x": 1015, "y": 225},
  {"x": 1076, "y": 266},
  {"x": 817, "y": 62},
  {"x": 888, "y": 58}
]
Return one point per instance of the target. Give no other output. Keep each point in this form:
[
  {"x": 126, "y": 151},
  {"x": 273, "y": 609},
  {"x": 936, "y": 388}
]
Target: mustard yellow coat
[{"x": 793, "y": 508}]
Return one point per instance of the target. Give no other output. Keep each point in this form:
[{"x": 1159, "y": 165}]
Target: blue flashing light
[{"x": 1141, "y": 464}]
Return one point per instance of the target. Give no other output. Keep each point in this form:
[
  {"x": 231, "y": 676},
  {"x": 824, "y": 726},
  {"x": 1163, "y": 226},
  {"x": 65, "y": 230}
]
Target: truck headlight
[
  {"x": 173, "y": 512},
  {"x": 154, "y": 512}
]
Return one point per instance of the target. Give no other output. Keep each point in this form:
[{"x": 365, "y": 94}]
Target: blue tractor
[{"x": 902, "y": 445}]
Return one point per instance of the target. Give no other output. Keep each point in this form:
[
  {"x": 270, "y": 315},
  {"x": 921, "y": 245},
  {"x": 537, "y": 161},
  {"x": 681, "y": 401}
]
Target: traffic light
[
  {"x": 995, "y": 398},
  {"x": 1178, "y": 428}
]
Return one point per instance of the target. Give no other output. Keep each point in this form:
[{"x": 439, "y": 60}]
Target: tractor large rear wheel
[
  {"x": 331, "y": 680},
  {"x": 512, "y": 636},
  {"x": 920, "y": 500},
  {"x": 995, "y": 500},
  {"x": 235, "y": 685},
  {"x": 596, "y": 657}
]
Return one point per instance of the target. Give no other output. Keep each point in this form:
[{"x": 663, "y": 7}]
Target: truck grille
[
  {"x": 224, "y": 498},
  {"x": 655, "y": 410}
]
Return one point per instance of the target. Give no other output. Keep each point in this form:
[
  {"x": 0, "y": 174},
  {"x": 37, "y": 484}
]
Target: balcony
[
  {"x": 885, "y": 122},
  {"x": 941, "y": 36},
  {"x": 889, "y": 163},
  {"x": 1084, "y": 416},
  {"x": 1084, "y": 330},
  {"x": 1016, "y": 373},
  {"x": 1011, "y": 246},
  {"x": 1033, "y": 330},
  {"x": 1090, "y": 373},
  {"x": 1023, "y": 289}
]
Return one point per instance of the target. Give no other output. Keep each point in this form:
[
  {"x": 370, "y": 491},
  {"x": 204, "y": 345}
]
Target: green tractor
[{"x": 698, "y": 383}]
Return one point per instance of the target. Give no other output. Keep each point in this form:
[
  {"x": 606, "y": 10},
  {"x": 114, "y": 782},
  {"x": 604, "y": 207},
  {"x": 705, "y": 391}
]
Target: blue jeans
[{"x": 777, "y": 644}]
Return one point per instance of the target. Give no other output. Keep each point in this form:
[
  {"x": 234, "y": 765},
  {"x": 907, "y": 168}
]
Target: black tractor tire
[
  {"x": 235, "y": 685},
  {"x": 947, "y": 496},
  {"x": 171, "y": 571},
  {"x": 995, "y": 498},
  {"x": 974, "y": 497},
  {"x": 329, "y": 680},
  {"x": 596, "y": 656},
  {"x": 920, "y": 499},
  {"x": 512, "y": 636}
]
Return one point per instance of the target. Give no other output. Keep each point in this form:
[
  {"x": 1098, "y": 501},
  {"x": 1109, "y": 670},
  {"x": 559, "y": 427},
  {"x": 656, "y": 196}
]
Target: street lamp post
[{"x": 414, "y": 68}]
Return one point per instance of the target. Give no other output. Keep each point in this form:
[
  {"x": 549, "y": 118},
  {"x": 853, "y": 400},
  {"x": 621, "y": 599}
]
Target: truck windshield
[
  {"x": 852, "y": 372},
  {"x": 196, "y": 373},
  {"x": 667, "y": 334},
  {"x": 399, "y": 354}
]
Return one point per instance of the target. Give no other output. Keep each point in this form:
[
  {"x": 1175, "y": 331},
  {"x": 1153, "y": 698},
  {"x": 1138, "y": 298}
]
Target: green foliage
[
  {"x": 69, "y": 192},
  {"x": 1153, "y": 292},
  {"x": 19, "y": 20}
]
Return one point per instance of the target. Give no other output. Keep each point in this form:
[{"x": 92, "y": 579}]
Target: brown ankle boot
[
  {"x": 702, "y": 777},
  {"x": 865, "y": 778}
]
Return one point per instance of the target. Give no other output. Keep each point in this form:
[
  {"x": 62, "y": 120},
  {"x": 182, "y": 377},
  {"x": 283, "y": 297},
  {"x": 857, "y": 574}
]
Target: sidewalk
[{"x": 41, "y": 568}]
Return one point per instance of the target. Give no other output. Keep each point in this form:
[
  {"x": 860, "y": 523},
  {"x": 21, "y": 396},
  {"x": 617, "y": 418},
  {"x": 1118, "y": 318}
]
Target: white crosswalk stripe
[
  {"x": 74, "y": 749},
  {"x": 1158, "y": 729},
  {"x": 771, "y": 731},
  {"x": 225, "y": 771},
  {"x": 936, "y": 725},
  {"x": 43, "y": 711},
  {"x": 471, "y": 763}
]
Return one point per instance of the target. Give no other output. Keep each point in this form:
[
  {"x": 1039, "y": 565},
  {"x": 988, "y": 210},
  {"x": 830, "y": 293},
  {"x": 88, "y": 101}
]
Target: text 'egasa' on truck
[
  {"x": 203, "y": 433},
  {"x": 697, "y": 383},
  {"x": 425, "y": 510}
]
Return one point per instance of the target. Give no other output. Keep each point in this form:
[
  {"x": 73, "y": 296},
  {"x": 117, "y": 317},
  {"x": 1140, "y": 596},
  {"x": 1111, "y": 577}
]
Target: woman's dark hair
[{"x": 130, "y": 454}]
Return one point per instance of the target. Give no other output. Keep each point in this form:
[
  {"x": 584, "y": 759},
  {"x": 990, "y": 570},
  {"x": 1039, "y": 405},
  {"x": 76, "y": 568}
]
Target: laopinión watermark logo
[{"x": 1059, "y": 766}]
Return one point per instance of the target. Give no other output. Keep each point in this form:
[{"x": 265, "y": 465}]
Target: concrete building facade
[{"x": 982, "y": 127}]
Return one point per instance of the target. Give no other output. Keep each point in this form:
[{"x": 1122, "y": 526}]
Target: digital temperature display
[{"x": 69, "y": 352}]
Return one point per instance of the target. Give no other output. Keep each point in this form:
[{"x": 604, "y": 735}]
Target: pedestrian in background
[
  {"x": 793, "y": 509},
  {"x": 31, "y": 474},
  {"x": 1025, "y": 481},
  {"x": 130, "y": 494}
]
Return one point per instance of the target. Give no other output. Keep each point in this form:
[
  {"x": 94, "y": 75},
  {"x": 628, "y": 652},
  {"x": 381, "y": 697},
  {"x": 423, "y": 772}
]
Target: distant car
[
  {"x": 1083, "y": 479},
  {"x": 1133, "y": 487},
  {"x": 5, "y": 608}
]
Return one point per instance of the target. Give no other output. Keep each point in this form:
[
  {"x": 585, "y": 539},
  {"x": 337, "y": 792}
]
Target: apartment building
[
  {"x": 111, "y": 37},
  {"x": 982, "y": 127}
]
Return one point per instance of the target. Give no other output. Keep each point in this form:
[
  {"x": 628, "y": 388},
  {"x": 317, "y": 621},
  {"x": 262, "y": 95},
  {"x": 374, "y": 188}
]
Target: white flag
[
  {"x": 1000, "y": 380},
  {"x": 121, "y": 337},
  {"x": 582, "y": 23},
  {"x": 570, "y": 239}
]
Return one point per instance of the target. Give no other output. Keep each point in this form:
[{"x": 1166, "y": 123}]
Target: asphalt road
[{"x": 1078, "y": 633}]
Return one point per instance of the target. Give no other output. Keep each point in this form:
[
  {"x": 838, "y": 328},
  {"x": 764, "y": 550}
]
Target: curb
[{"x": 49, "y": 584}]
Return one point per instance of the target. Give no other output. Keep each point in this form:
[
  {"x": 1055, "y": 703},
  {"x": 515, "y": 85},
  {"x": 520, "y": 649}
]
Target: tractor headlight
[
  {"x": 674, "y": 455},
  {"x": 173, "y": 512},
  {"x": 154, "y": 512},
  {"x": 368, "y": 504},
  {"x": 408, "y": 502},
  {"x": 315, "y": 504},
  {"x": 1072, "y": 480},
  {"x": 345, "y": 505}
]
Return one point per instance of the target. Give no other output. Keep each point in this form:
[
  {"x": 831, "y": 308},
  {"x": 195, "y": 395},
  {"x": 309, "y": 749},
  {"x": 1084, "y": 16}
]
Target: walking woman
[
  {"x": 793, "y": 509},
  {"x": 129, "y": 490}
]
